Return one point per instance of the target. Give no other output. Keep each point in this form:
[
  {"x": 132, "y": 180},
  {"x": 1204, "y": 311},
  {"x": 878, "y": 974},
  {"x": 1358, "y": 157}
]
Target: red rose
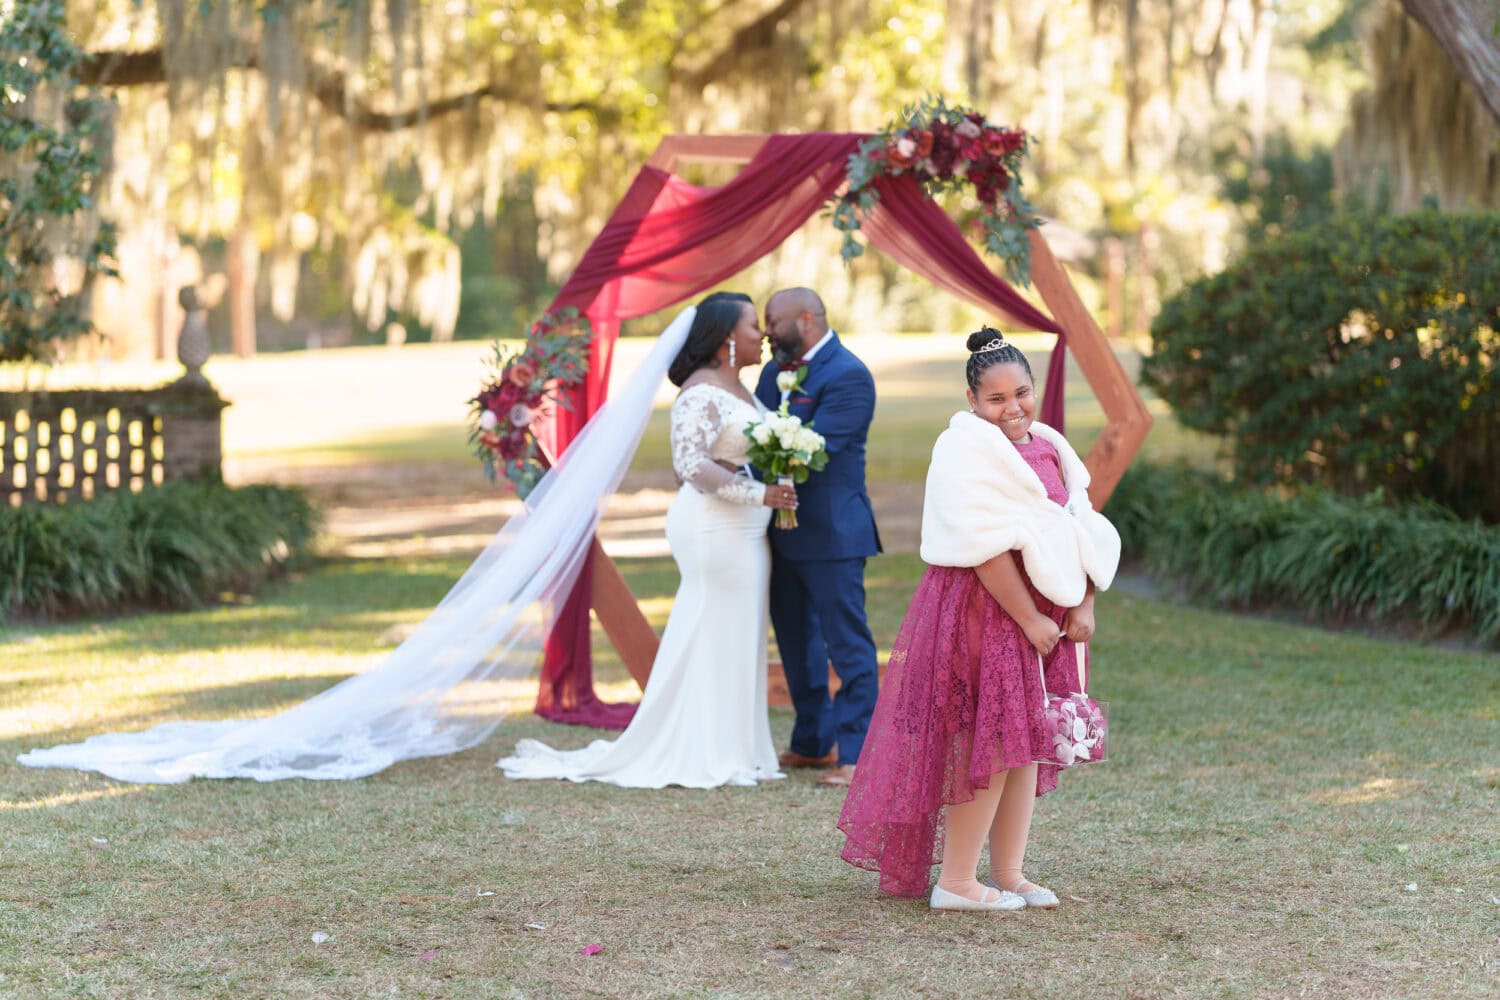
[
  {"x": 513, "y": 445},
  {"x": 520, "y": 374},
  {"x": 923, "y": 138}
]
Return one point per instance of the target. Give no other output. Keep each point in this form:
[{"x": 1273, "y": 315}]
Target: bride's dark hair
[{"x": 717, "y": 316}]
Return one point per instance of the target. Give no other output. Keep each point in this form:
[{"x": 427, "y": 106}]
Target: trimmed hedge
[
  {"x": 179, "y": 545},
  {"x": 1359, "y": 353},
  {"x": 1363, "y": 559}
]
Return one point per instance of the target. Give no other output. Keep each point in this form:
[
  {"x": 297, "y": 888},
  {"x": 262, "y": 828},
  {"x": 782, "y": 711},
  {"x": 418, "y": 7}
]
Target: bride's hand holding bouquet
[{"x": 786, "y": 451}]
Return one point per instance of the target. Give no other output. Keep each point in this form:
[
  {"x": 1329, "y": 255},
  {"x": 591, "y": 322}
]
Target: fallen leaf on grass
[
  {"x": 591, "y": 949},
  {"x": 318, "y": 937},
  {"x": 534, "y": 926},
  {"x": 1411, "y": 887},
  {"x": 483, "y": 893},
  {"x": 428, "y": 954}
]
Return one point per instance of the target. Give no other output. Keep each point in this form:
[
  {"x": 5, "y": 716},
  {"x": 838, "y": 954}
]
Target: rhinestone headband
[{"x": 997, "y": 344}]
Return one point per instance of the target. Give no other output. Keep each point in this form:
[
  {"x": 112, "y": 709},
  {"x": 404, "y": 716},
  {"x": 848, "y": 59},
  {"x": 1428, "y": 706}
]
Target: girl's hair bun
[
  {"x": 986, "y": 339},
  {"x": 987, "y": 348},
  {"x": 979, "y": 338}
]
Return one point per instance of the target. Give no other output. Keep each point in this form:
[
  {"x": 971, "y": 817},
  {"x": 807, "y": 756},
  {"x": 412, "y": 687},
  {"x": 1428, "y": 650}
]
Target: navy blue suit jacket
[{"x": 834, "y": 516}]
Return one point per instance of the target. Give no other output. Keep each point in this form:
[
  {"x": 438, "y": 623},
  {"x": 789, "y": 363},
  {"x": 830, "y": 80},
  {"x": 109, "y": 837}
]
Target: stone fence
[
  {"x": 76, "y": 444},
  {"x": 57, "y": 446}
]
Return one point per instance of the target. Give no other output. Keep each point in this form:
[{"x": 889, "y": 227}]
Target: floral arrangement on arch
[
  {"x": 948, "y": 149},
  {"x": 522, "y": 383}
]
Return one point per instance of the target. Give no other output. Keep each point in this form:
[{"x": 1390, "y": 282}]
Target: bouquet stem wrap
[{"x": 785, "y": 518}]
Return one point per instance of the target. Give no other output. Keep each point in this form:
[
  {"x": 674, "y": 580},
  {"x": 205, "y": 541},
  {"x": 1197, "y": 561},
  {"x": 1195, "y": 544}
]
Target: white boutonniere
[{"x": 791, "y": 376}]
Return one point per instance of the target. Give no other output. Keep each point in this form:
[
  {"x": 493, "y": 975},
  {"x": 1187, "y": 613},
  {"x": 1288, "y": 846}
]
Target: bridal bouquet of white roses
[{"x": 786, "y": 451}]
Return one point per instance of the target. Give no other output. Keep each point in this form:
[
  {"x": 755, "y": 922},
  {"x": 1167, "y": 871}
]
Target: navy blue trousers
[{"x": 818, "y": 611}]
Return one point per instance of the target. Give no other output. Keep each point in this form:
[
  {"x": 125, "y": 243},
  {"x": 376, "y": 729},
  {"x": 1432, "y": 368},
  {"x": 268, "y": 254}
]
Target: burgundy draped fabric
[
  {"x": 669, "y": 240},
  {"x": 914, "y": 231}
]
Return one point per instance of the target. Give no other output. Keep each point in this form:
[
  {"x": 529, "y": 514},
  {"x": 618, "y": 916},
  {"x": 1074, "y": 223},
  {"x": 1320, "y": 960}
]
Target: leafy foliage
[
  {"x": 1355, "y": 354},
  {"x": 523, "y": 382},
  {"x": 53, "y": 141},
  {"x": 1364, "y": 558},
  {"x": 177, "y": 545},
  {"x": 947, "y": 149}
]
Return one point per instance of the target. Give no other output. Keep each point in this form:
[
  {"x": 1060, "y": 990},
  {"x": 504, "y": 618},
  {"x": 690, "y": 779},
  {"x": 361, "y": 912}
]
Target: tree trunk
[
  {"x": 1468, "y": 36},
  {"x": 244, "y": 263}
]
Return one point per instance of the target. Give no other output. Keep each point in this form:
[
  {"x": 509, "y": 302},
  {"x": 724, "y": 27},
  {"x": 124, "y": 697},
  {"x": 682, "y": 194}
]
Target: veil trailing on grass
[{"x": 436, "y": 693}]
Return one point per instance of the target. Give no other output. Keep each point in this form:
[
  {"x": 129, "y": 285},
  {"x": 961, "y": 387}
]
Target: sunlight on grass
[
  {"x": 67, "y": 798},
  {"x": 1374, "y": 790}
]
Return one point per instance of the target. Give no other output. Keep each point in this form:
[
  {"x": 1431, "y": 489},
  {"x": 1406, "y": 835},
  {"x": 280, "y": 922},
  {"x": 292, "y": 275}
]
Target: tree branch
[
  {"x": 136, "y": 69},
  {"x": 1469, "y": 41},
  {"x": 756, "y": 33}
]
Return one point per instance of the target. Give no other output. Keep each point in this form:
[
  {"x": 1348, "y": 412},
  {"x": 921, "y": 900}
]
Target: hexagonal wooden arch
[{"x": 1127, "y": 420}]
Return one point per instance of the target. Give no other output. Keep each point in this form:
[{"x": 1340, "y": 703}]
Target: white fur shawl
[{"x": 983, "y": 499}]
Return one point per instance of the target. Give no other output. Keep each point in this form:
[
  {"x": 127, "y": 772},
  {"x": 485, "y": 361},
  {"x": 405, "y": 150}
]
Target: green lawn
[{"x": 1273, "y": 793}]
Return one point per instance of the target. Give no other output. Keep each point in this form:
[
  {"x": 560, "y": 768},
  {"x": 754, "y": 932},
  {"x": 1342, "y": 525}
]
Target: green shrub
[
  {"x": 1362, "y": 559},
  {"x": 178, "y": 545},
  {"x": 1356, "y": 354}
]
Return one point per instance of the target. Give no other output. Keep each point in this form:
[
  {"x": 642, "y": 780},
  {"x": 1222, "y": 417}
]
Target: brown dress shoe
[
  {"x": 791, "y": 758},
  {"x": 839, "y": 777}
]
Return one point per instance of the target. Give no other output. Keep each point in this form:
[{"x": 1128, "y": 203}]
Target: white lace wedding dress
[{"x": 702, "y": 720}]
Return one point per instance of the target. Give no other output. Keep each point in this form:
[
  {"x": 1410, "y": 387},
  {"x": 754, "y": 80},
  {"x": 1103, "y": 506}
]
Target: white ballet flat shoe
[
  {"x": 1037, "y": 897},
  {"x": 942, "y": 899}
]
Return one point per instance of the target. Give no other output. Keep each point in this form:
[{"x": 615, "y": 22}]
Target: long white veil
[{"x": 435, "y": 693}]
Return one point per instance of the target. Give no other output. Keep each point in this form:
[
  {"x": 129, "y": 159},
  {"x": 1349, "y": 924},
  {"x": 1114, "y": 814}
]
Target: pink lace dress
[{"x": 960, "y": 702}]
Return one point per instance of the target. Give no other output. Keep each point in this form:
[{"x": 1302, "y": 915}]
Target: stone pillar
[
  {"x": 191, "y": 413},
  {"x": 191, "y": 431}
]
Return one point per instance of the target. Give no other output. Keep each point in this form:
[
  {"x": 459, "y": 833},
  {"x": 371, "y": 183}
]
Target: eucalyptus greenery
[
  {"x": 54, "y": 143},
  {"x": 1365, "y": 559},
  {"x": 180, "y": 545}
]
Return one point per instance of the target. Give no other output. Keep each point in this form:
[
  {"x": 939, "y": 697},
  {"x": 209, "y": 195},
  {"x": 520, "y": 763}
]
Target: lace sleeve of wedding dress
[{"x": 697, "y": 422}]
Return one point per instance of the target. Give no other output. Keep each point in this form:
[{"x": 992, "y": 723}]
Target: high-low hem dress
[{"x": 960, "y": 703}]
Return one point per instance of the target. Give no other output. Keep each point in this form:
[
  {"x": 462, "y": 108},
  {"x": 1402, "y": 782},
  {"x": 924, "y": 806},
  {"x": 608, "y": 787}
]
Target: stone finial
[{"x": 192, "y": 343}]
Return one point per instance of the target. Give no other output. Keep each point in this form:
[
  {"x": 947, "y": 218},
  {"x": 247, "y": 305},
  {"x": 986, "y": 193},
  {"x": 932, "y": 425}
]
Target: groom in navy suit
[{"x": 818, "y": 567}]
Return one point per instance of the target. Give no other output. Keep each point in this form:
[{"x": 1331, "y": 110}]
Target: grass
[{"x": 1273, "y": 791}]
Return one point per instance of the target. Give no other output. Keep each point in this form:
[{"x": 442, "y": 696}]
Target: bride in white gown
[
  {"x": 702, "y": 720},
  {"x": 439, "y": 691}
]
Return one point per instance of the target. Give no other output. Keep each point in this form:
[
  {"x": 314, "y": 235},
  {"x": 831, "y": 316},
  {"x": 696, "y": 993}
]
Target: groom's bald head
[{"x": 795, "y": 321}]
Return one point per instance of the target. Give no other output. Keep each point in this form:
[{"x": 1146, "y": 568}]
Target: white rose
[
  {"x": 788, "y": 440},
  {"x": 761, "y": 434},
  {"x": 520, "y": 415},
  {"x": 786, "y": 381},
  {"x": 488, "y": 420}
]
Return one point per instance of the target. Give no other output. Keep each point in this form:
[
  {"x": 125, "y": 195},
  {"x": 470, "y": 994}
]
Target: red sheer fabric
[
  {"x": 669, "y": 240},
  {"x": 915, "y": 232}
]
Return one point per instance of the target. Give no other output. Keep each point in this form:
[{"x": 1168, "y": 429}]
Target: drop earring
[{"x": 731, "y": 352}]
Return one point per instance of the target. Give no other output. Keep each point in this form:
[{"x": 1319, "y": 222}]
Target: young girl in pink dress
[{"x": 1015, "y": 552}]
